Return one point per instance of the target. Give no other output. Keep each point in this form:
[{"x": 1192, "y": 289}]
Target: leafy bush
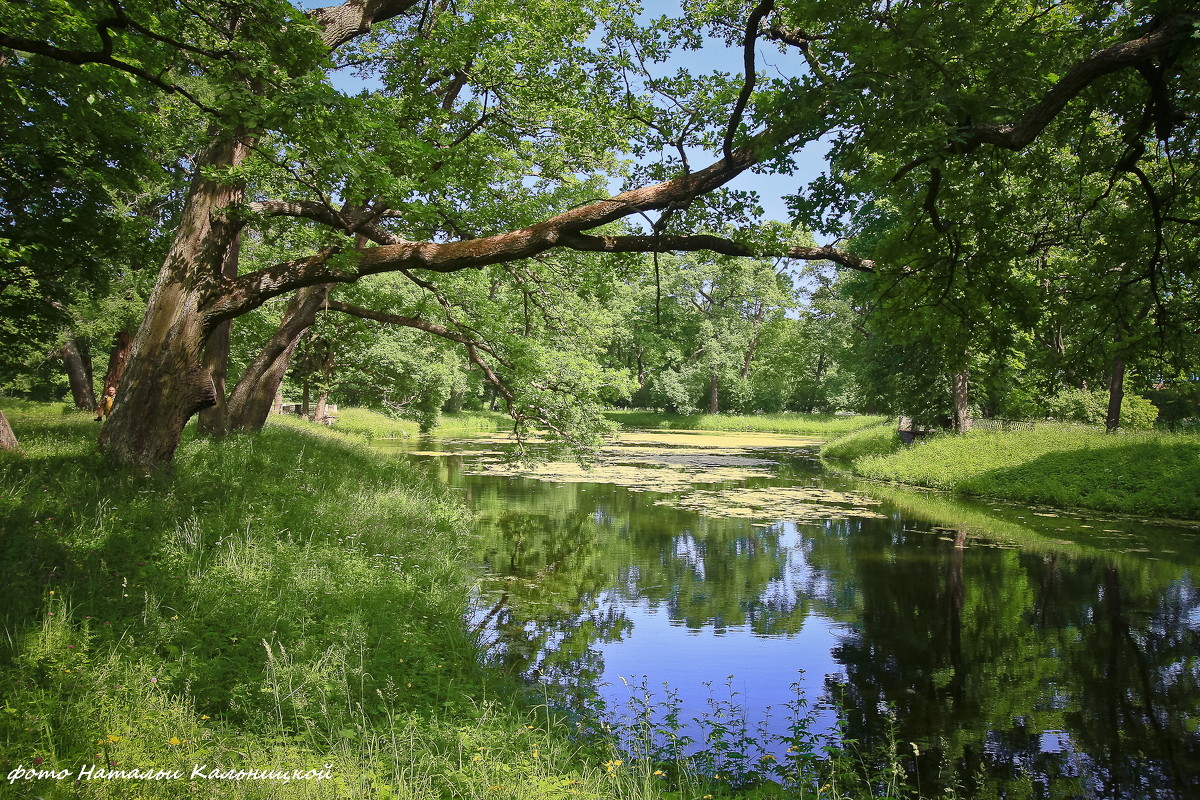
[{"x": 1091, "y": 406}]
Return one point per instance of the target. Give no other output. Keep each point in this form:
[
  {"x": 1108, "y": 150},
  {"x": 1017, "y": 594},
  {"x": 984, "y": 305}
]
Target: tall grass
[
  {"x": 285, "y": 600},
  {"x": 803, "y": 424},
  {"x": 878, "y": 439},
  {"x": 1147, "y": 473}
]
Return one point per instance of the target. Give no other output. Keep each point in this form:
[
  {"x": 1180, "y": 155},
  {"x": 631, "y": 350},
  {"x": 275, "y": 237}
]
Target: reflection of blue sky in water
[
  {"x": 664, "y": 651},
  {"x": 762, "y": 670}
]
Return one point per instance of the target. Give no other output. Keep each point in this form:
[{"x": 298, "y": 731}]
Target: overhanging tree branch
[
  {"x": 1164, "y": 35},
  {"x": 408, "y": 322},
  {"x": 335, "y": 265}
]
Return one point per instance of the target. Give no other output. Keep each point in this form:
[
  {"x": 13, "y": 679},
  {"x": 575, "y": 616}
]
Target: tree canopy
[{"x": 975, "y": 146}]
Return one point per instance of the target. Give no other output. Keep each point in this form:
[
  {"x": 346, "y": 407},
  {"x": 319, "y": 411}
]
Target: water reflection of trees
[
  {"x": 1065, "y": 672},
  {"x": 979, "y": 653},
  {"x": 569, "y": 557}
]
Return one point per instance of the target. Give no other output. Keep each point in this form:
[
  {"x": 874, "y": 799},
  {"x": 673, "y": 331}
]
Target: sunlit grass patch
[
  {"x": 370, "y": 425},
  {"x": 1146, "y": 473},
  {"x": 808, "y": 424},
  {"x": 880, "y": 438}
]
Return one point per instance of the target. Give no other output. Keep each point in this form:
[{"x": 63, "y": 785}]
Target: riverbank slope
[
  {"x": 283, "y": 601},
  {"x": 1065, "y": 466}
]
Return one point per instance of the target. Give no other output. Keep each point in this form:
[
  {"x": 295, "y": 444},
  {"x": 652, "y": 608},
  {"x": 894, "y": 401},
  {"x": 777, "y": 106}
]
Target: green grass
[
  {"x": 878, "y": 439},
  {"x": 368, "y": 424},
  {"x": 801, "y": 424},
  {"x": 282, "y": 600},
  {"x": 1151, "y": 474}
]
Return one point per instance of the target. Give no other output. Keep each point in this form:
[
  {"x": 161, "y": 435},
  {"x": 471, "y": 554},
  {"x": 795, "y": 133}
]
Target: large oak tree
[{"x": 492, "y": 118}]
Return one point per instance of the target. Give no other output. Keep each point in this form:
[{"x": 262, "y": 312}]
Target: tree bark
[
  {"x": 118, "y": 357},
  {"x": 8, "y": 440},
  {"x": 214, "y": 421},
  {"x": 79, "y": 375},
  {"x": 322, "y": 404},
  {"x": 714, "y": 389},
  {"x": 326, "y": 377},
  {"x": 1116, "y": 393},
  {"x": 166, "y": 382},
  {"x": 962, "y": 411},
  {"x": 255, "y": 393}
]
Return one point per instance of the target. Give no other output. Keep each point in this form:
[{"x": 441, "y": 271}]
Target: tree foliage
[{"x": 1000, "y": 138}]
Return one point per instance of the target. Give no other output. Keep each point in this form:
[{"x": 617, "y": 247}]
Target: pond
[{"x": 729, "y": 581}]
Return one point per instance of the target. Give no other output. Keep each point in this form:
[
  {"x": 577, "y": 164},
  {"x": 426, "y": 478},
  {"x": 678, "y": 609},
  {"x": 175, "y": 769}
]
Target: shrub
[{"x": 1091, "y": 406}]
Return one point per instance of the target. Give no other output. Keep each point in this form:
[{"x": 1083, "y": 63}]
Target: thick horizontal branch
[
  {"x": 237, "y": 296},
  {"x": 1166, "y": 34},
  {"x": 715, "y": 244}
]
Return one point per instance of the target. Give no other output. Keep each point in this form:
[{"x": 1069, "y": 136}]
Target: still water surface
[{"x": 1024, "y": 652}]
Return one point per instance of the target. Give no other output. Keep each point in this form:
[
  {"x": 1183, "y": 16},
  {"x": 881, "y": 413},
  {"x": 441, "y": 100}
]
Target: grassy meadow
[
  {"x": 793, "y": 423},
  {"x": 1066, "y": 466},
  {"x": 287, "y": 600}
]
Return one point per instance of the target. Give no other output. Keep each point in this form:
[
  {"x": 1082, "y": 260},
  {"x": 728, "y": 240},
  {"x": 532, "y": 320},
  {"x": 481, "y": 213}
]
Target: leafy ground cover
[
  {"x": 289, "y": 602},
  {"x": 806, "y": 424},
  {"x": 1066, "y": 466}
]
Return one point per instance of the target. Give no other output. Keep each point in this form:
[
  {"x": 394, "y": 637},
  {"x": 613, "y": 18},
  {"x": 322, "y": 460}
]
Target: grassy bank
[
  {"x": 367, "y": 424},
  {"x": 284, "y": 601},
  {"x": 1147, "y": 473},
  {"x": 801, "y": 424}
]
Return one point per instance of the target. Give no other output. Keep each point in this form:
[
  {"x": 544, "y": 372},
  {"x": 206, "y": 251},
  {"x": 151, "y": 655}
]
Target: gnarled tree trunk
[
  {"x": 166, "y": 381},
  {"x": 79, "y": 374},
  {"x": 253, "y": 396}
]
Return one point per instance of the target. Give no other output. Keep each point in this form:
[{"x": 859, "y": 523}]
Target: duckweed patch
[{"x": 797, "y": 504}]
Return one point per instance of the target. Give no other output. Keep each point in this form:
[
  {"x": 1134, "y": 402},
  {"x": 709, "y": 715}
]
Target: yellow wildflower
[
  {"x": 114, "y": 739},
  {"x": 174, "y": 740}
]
